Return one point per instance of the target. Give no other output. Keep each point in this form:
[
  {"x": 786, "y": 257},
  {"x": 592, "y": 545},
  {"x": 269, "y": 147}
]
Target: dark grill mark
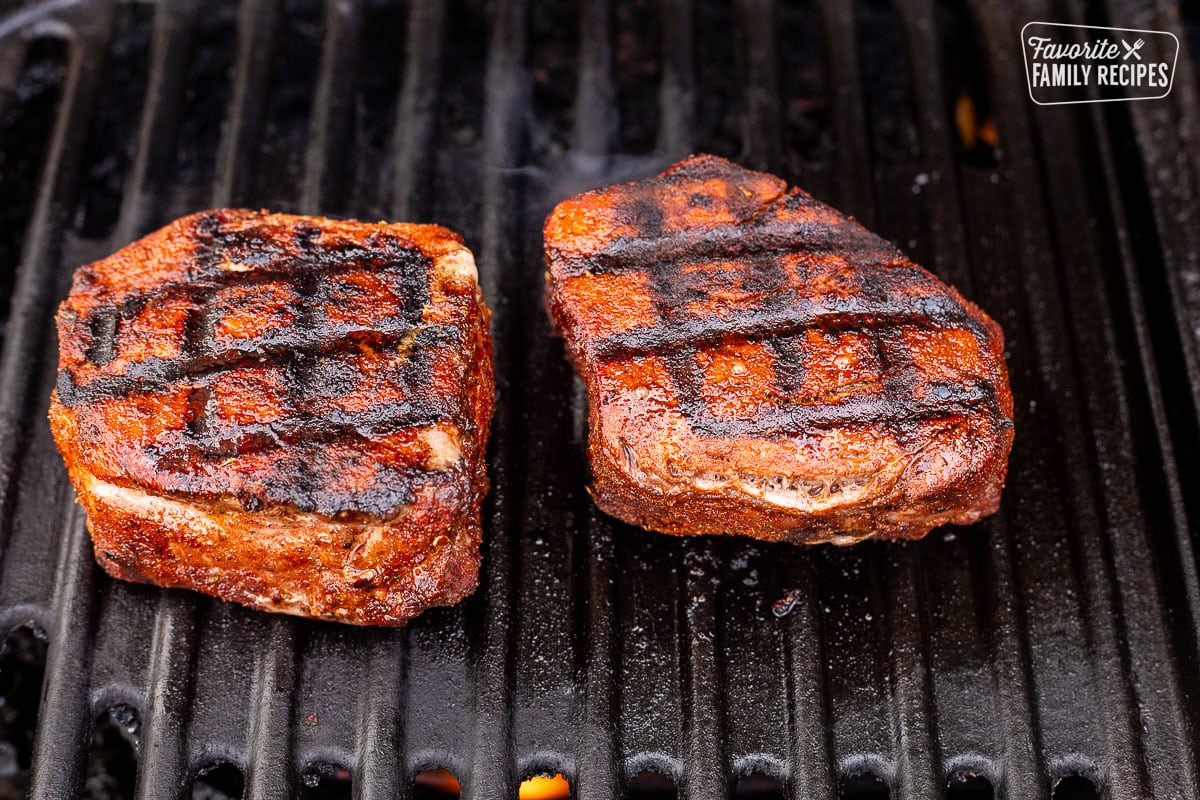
[
  {"x": 898, "y": 413},
  {"x": 156, "y": 374},
  {"x": 198, "y": 411},
  {"x": 303, "y": 430},
  {"x": 736, "y": 241},
  {"x": 789, "y": 362},
  {"x": 680, "y": 332},
  {"x": 103, "y": 328}
]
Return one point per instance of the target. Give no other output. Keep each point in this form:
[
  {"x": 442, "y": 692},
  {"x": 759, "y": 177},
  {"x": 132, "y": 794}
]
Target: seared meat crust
[
  {"x": 287, "y": 412},
  {"x": 757, "y": 363}
]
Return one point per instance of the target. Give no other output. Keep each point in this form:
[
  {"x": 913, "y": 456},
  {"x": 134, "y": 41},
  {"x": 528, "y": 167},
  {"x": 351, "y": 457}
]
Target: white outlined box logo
[{"x": 1067, "y": 64}]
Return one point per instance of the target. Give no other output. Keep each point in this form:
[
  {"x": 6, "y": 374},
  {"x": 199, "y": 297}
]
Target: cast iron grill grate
[{"x": 1048, "y": 652}]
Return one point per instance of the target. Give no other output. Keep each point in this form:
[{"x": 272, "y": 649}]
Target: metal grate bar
[
  {"x": 595, "y": 97},
  {"x": 545, "y": 626},
  {"x": 416, "y": 119},
  {"x": 173, "y": 28},
  {"x": 704, "y": 771},
  {"x": 598, "y": 768},
  {"x": 918, "y": 767},
  {"x": 795, "y": 684},
  {"x": 268, "y": 760},
  {"x": 381, "y": 772},
  {"x": 810, "y": 754},
  {"x": 65, "y": 715},
  {"x": 65, "y": 718},
  {"x": 268, "y": 764},
  {"x": 677, "y": 95},
  {"x": 329, "y": 130},
  {"x": 762, "y": 131},
  {"x": 914, "y": 751},
  {"x": 505, "y": 95},
  {"x": 255, "y": 36},
  {"x": 35, "y": 276},
  {"x": 164, "y": 768},
  {"x": 849, "y": 121}
]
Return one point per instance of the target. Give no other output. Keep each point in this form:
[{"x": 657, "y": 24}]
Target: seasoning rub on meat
[
  {"x": 286, "y": 412},
  {"x": 758, "y": 363}
]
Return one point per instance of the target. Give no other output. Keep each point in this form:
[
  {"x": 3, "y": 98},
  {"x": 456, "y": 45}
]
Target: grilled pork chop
[
  {"x": 286, "y": 412},
  {"x": 759, "y": 364}
]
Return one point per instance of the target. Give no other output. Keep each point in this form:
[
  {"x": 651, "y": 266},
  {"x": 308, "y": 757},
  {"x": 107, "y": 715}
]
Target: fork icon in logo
[{"x": 1132, "y": 50}]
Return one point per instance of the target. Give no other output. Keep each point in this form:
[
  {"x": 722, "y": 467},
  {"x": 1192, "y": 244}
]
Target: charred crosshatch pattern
[{"x": 256, "y": 350}]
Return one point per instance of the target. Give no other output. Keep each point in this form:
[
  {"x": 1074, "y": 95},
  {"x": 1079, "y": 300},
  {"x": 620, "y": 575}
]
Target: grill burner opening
[
  {"x": 651, "y": 786},
  {"x": 112, "y": 762},
  {"x": 969, "y": 786},
  {"x": 436, "y": 784},
  {"x": 1075, "y": 787},
  {"x": 1052, "y": 645},
  {"x": 864, "y": 786},
  {"x": 544, "y": 787},
  {"x": 218, "y": 782},
  {"x": 326, "y": 782},
  {"x": 758, "y": 786}
]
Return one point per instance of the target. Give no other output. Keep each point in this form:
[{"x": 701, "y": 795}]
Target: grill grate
[{"x": 1050, "y": 651}]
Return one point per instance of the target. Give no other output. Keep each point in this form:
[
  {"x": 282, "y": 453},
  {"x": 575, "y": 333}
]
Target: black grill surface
[{"x": 1051, "y": 650}]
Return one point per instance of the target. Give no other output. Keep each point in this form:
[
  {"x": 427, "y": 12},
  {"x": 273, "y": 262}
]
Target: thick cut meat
[
  {"x": 287, "y": 412},
  {"x": 757, "y": 363}
]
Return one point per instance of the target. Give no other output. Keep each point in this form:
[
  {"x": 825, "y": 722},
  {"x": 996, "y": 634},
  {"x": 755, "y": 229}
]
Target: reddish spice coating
[
  {"x": 758, "y": 363},
  {"x": 286, "y": 412}
]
